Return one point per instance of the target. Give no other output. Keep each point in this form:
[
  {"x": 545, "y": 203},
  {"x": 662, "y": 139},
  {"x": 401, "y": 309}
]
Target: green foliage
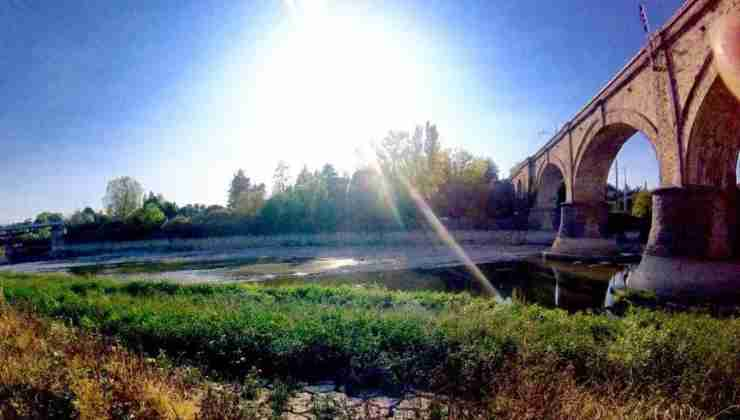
[
  {"x": 325, "y": 408},
  {"x": 455, "y": 184},
  {"x": 455, "y": 344},
  {"x": 643, "y": 204},
  {"x": 40, "y": 236},
  {"x": 82, "y": 218},
  {"x": 169, "y": 208},
  {"x": 318, "y": 202},
  {"x": 122, "y": 197},
  {"x": 147, "y": 218},
  {"x": 371, "y": 209},
  {"x": 245, "y": 198},
  {"x": 279, "y": 398},
  {"x": 49, "y": 217},
  {"x": 281, "y": 178}
]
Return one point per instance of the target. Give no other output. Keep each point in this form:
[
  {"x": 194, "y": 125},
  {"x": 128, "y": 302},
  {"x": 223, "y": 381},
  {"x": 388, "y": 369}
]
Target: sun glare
[{"x": 329, "y": 75}]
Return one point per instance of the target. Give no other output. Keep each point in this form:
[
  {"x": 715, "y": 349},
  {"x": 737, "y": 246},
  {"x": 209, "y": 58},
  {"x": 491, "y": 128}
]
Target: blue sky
[{"x": 180, "y": 94}]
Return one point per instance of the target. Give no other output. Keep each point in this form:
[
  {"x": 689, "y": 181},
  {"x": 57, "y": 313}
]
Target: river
[{"x": 514, "y": 270}]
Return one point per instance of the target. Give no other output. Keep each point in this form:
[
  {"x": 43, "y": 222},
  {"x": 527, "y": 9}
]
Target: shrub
[
  {"x": 455, "y": 345},
  {"x": 179, "y": 226}
]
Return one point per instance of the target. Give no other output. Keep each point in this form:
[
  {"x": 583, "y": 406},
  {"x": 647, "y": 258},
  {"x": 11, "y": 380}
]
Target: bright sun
[{"x": 333, "y": 78}]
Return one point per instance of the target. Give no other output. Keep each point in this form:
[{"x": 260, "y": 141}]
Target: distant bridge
[
  {"x": 671, "y": 92},
  {"x": 10, "y": 238}
]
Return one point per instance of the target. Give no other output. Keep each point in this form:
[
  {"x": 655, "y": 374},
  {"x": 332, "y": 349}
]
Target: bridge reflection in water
[{"x": 573, "y": 287}]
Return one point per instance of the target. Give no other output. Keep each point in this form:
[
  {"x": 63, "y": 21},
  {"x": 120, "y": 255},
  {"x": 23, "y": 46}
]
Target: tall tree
[
  {"x": 416, "y": 158},
  {"x": 147, "y": 218},
  {"x": 492, "y": 173},
  {"x": 304, "y": 178},
  {"x": 251, "y": 201},
  {"x": 240, "y": 184},
  {"x": 244, "y": 198},
  {"x": 168, "y": 207},
  {"x": 122, "y": 197},
  {"x": 281, "y": 178},
  {"x": 82, "y": 217},
  {"x": 369, "y": 208}
]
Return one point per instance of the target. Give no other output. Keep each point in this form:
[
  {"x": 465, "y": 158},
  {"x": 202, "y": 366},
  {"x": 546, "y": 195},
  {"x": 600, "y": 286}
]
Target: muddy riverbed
[{"x": 514, "y": 270}]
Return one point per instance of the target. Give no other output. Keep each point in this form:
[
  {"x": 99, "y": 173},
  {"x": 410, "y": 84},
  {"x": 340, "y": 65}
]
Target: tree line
[{"x": 462, "y": 189}]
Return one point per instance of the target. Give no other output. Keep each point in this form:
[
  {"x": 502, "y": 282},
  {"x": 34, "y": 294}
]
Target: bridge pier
[
  {"x": 692, "y": 248},
  {"x": 583, "y": 232},
  {"x": 543, "y": 218}
]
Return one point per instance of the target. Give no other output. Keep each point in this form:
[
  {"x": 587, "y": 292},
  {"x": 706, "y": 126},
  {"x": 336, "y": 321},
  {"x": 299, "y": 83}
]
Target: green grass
[
  {"x": 151, "y": 267},
  {"x": 449, "y": 343}
]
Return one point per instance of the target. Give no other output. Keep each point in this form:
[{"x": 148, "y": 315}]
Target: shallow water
[
  {"x": 516, "y": 272},
  {"x": 572, "y": 287}
]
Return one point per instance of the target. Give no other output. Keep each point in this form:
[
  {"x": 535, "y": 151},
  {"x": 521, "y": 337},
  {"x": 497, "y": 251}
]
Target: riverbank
[
  {"x": 340, "y": 239},
  {"x": 237, "y": 262},
  {"x": 503, "y": 360}
]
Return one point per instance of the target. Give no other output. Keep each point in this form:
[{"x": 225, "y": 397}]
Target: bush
[
  {"x": 643, "y": 204},
  {"x": 52, "y": 371},
  {"x": 180, "y": 227},
  {"x": 453, "y": 344},
  {"x": 145, "y": 220}
]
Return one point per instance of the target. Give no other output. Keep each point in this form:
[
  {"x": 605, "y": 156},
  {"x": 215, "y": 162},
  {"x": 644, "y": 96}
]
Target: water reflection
[
  {"x": 570, "y": 286},
  {"x": 617, "y": 282}
]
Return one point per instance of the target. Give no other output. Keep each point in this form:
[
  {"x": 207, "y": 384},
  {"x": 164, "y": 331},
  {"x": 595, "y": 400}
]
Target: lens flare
[
  {"x": 439, "y": 229},
  {"x": 388, "y": 197},
  {"x": 445, "y": 236}
]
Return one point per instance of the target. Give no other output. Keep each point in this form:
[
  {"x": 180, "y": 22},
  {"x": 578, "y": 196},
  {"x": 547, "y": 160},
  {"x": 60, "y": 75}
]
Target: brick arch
[
  {"x": 602, "y": 141},
  {"x": 551, "y": 160},
  {"x": 520, "y": 182},
  {"x": 703, "y": 81},
  {"x": 713, "y": 138},
  {"x": 635, "y": 119},
  {"x": 549, "y": 177}
]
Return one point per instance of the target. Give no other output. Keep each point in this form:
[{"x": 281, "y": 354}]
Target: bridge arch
[
  {"x": 550, "y": 177},
  {"x": 707, "y": 246},
  {"x": 602, "y": 141},
  {"x": 550, "y": 181},
  {"x": 714, "y": 138},
  {"x": 674, "y": 96},
  {"x": 584, "y": 227}
]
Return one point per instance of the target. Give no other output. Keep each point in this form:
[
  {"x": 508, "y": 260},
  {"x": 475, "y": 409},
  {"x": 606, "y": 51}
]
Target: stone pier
[
  {"x": 544, "y": 218},
  {"x": 583, "y": 233},
  {"x": 692, "y": 246}
]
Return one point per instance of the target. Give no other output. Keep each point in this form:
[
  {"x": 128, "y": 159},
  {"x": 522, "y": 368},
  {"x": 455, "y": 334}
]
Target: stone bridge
[{"x": 671, "y": 92}]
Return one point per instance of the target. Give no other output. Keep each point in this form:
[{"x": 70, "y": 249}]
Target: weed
[{"x": 487, "y": 355}]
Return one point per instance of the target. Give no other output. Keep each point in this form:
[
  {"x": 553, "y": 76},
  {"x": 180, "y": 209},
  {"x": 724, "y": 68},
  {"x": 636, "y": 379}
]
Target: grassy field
[{"x": 502, "y": 361}]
